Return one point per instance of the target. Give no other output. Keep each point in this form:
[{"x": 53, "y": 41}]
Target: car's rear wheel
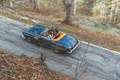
[
  {"x": 29, "y": 39},
  {"x": 56, "y": 50}
]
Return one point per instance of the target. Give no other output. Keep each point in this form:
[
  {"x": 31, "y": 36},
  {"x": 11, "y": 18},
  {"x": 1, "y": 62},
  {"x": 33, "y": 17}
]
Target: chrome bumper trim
[
  {"x": 74, "y": 48},
  {"x": 23, "y": 36}
]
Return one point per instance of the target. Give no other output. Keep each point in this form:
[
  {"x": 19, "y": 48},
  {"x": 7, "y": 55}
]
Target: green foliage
[
  {"x": 104, "y": 24},
  {"x": 101, "y": 25},
  {"x": 23, "y": 55},
  {"x": 114, "y": 24},
  {"x": 97, "y": 24},
  {"x": 103, "y": 76},
  {"x": 59, "y": 20},
  {"x": 118, "y": 27}
]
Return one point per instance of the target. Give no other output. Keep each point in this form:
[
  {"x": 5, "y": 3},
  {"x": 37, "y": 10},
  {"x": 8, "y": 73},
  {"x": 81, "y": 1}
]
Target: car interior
[{"x": 53, "y": 35}]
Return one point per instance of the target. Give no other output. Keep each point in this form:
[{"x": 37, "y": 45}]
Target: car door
[
  {"x": 45, "y": 42},
  {"x": 35, "y": 37}
]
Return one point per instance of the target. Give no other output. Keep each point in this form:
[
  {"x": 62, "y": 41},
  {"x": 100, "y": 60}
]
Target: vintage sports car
[{"x": 52, "y": 38}]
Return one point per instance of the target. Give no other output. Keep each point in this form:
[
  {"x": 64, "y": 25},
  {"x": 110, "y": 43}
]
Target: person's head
[{"x": 49, "y": 32}]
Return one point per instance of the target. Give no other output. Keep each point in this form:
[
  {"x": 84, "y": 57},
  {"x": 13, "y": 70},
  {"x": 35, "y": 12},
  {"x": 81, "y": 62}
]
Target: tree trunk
[
  {"x": 74, "y": 7},
  {"x": 112, "y": 10},
  {"x": 30, "y": 1},
  {"x": 49, "y": 2},
  {"x": 103, "y": 14},
  {"x": 101, "y": 11},
  {"x": 69, "y": 1},
  {"x": 34, "y": 5},
  {"x": 103, "y": 7},
  {"x": 38, "y": 5},
  {"x": 68, "y": 12},
  {"x": 4, "y": 3},
  {"x": 116, "y": 11},
  {"x": 11, "y": 4}
]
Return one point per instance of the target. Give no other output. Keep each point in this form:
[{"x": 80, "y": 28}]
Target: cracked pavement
[{"x": 99, "y": 63}]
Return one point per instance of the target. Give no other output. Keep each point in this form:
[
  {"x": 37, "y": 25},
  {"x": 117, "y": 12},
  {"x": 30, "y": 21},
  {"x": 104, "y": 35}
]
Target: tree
[
  {"x": 4, "y": 3},
  {"x": 38, "y": 5},
  {"x": 74, "y": 12},
  {"x": 1, "y": 2},
  {"x": 88, "y": 6},
  {"x": 67, "y": 5},
  {"x": 11, "y": 4},
  {"x": 30, "y": 1},
  {"x": 102, "y": 9},
  {"x": 49, "y": 2},
  {"x": 116, "y": 11},
  {"x": 34, "y": 5},
  {"x": 112, "y": 10}
]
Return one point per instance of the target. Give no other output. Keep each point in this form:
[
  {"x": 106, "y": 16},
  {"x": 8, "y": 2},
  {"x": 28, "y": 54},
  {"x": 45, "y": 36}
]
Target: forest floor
[
  {"x": 13, "y": 67},
  {"x": 89, "y": 29},
  {"x": 84, "y": 28}
]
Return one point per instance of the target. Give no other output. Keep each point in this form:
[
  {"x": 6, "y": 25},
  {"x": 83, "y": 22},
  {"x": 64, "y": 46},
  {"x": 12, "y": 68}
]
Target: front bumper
[
  {"x": 74, "y": 48},
  {"x": 23, "y": 36}
]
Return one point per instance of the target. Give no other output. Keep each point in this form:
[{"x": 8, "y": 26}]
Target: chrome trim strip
[{"x": 74, "y": 48}]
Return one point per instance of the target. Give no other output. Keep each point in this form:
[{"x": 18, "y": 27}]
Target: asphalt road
[{"x": 95, "y": 66}]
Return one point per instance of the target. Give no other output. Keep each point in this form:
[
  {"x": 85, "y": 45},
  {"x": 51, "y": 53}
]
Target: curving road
[{"x": 99, "y": 63}]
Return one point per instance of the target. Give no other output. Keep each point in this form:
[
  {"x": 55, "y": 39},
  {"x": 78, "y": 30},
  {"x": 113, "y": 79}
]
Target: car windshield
[{"x": 49, "y": 33}]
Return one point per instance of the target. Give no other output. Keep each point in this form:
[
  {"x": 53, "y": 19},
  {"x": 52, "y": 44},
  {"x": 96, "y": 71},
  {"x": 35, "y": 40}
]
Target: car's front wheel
[
  {"x": 29, "y": 39},
  {"x": 56, "y": 50}
]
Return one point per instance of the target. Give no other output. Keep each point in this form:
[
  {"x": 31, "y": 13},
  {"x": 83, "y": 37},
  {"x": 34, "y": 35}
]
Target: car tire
[
  {"x": 29, "y": 39},
  {"x": 56, "y": 50}
]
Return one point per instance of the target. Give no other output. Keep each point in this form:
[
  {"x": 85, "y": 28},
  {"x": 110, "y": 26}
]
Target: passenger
[
  {"x": 50, "y": 34},
  {"x": 44, "y": 34}
]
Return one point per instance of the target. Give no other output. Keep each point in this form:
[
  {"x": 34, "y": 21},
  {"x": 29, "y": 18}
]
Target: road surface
[{"x": 99, "y": 63}]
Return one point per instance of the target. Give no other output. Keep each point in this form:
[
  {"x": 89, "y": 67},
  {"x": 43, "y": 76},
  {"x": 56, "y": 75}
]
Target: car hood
[
  {"x": 37, "y": 29},
  {"x": 67, "y": 41}
]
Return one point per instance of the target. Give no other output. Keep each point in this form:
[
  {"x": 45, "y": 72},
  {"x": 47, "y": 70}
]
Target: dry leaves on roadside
[{"x": 14, "y": 67}]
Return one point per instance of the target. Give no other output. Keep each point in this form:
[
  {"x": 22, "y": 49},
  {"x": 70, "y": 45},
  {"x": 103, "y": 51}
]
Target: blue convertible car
[{"x": 52, "y": 38}]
